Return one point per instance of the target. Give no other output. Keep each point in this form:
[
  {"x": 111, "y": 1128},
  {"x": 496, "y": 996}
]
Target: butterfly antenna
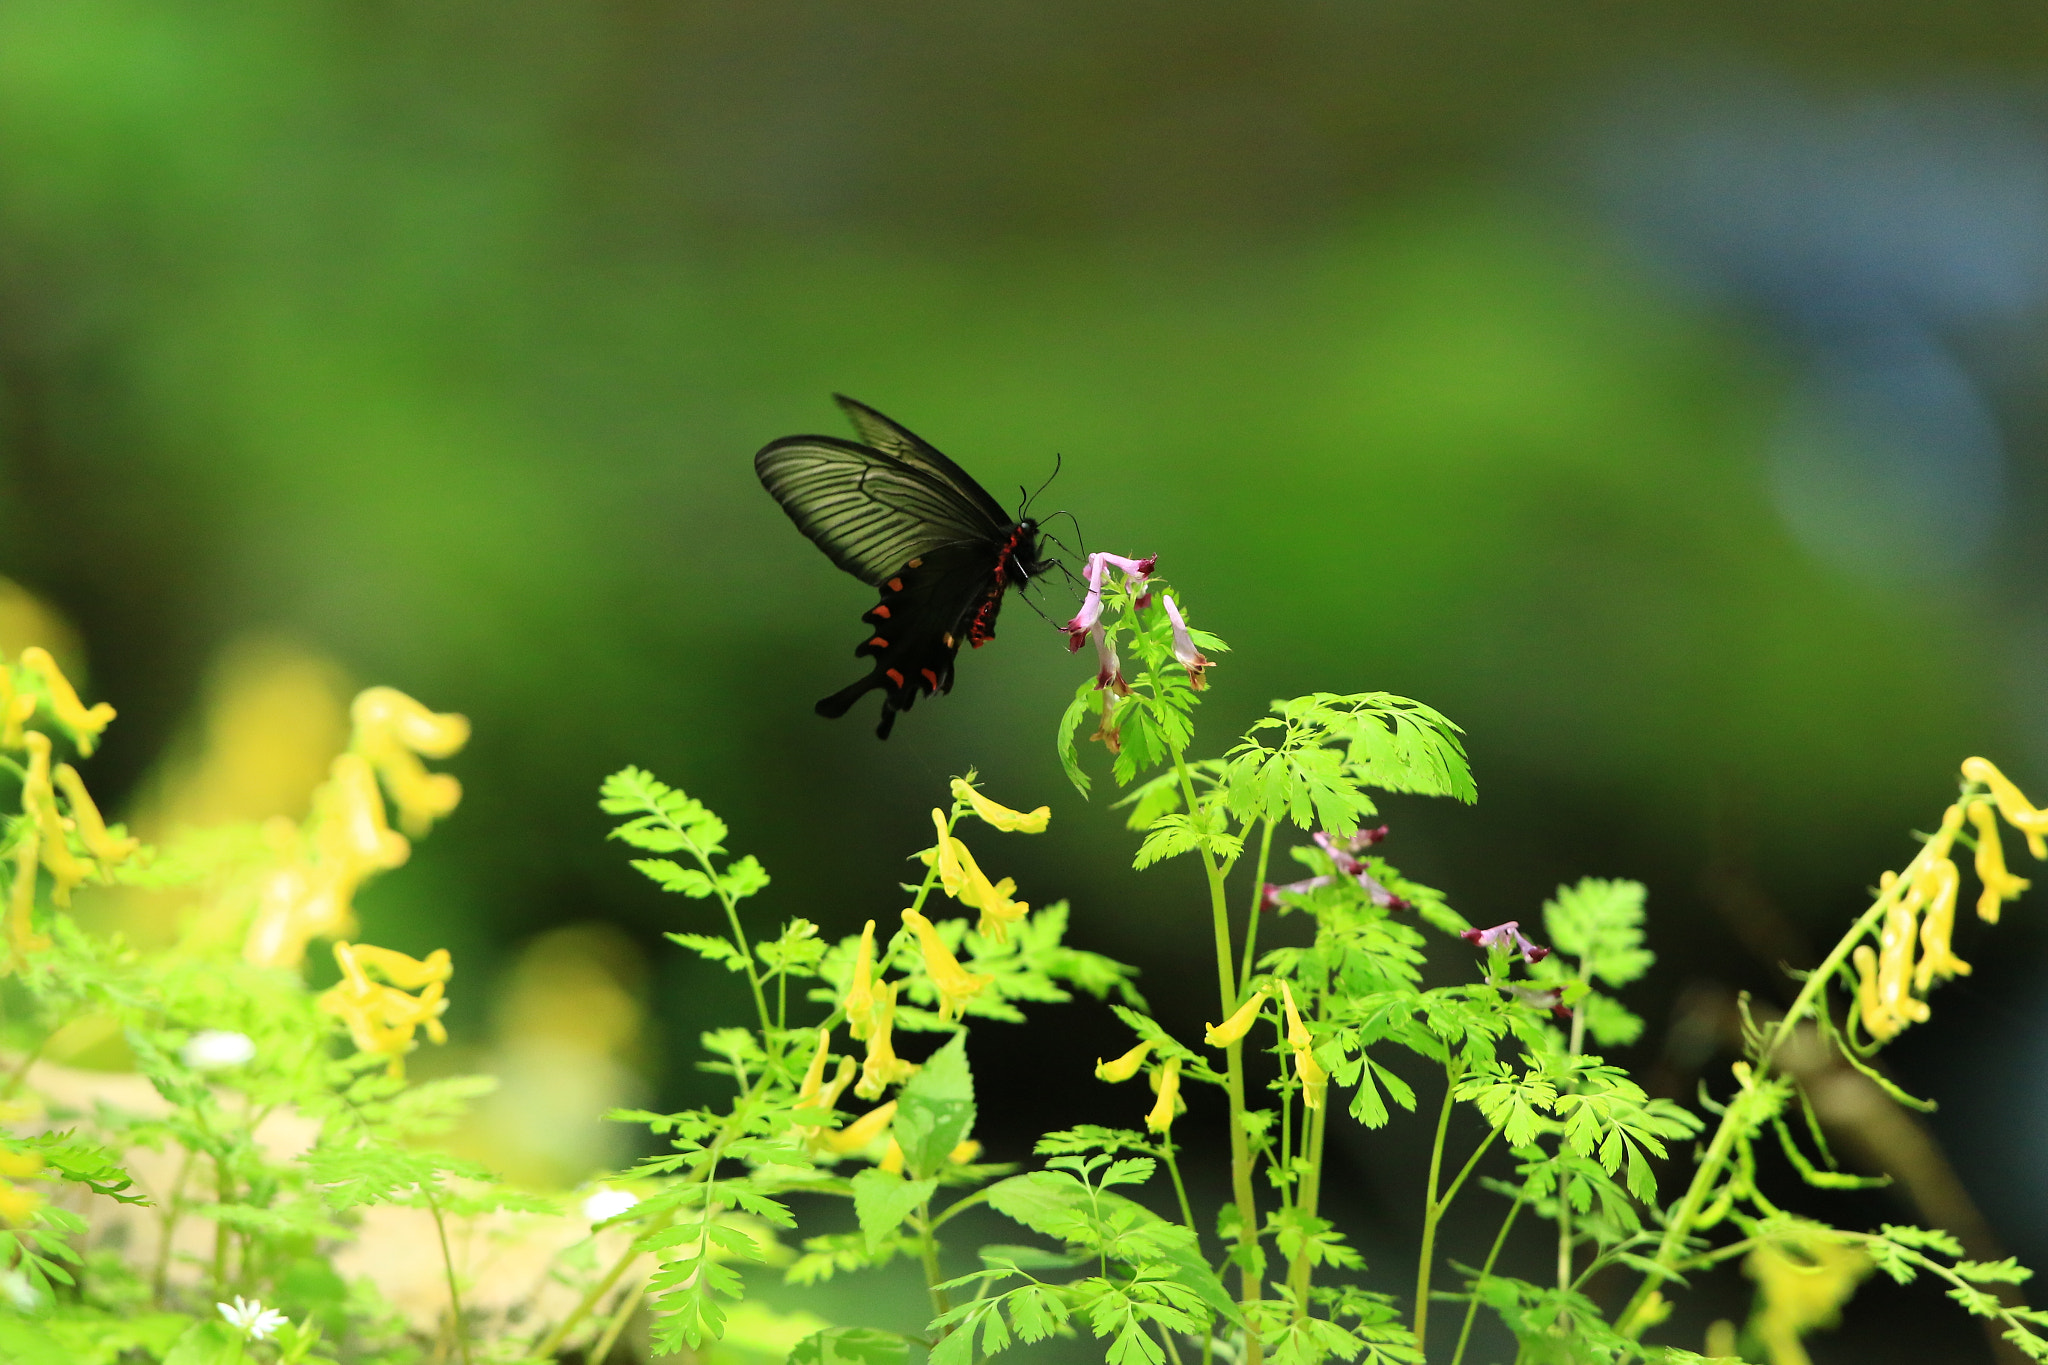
[{"x": 1030, "y": 498}]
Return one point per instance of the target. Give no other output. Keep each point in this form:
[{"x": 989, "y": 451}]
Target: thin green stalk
[
  {"x": 552, "y": 1342},
  {"x": 1664, "y": 1263},
  {"x": 928, "y": 1255},
  {"x": 1308, "y": 1198},
  {"x": 1485, "y": 1272},
  {"x": 1180, "y": 1191},
  {"x": 1251, "y": 923},
  {"x": 739, "y": 935},
  {"x": 1451, "y": 1190},
  {"x": 1240, "y": 1146},
  {"x": 1432, "y": 1209},
  {"x": 1564, "y": 1206},
  {"x": 174, "y": 1209},
  {"x": 961, "y": 1205},
  {"x": 454, "y": 1294},
  {"x": 617, "y": 1324}
]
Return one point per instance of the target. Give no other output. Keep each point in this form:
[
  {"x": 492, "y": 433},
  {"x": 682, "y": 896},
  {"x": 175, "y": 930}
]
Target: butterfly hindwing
[{"x": 897, "y": 514}]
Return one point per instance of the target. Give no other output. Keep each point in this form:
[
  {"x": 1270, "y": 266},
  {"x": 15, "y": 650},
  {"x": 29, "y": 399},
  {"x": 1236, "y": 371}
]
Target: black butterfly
[{"x": 897, "y": 514}]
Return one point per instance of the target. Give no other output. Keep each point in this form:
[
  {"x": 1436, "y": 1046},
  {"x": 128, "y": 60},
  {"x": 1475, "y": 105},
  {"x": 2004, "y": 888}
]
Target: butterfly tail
[{"x": 837, "y": 705}]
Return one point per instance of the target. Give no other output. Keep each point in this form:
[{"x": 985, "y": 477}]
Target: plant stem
[
  {"x": 552, "y": 1342},
  {"x": 1180, "y": 1191},
  {"x": 454, "y": 1294},
  {"x": 1431, "y": 1208},
  {"x": 1664, "y": 1263},
  {"x": 1251, "y": 923},
  {"x": 618, "y": 1324},
  {"x": 1308, "y": 1198},
  {"x": 928, "y": 1254},
  {"x": 174, "y": 1209},
  {"x": 1240, "y": 1145},
  {"x": 1472, "y": 1308}
]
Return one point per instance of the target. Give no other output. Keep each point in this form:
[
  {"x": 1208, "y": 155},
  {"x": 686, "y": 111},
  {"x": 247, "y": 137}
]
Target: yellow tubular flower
[
  {"x": 883, "y": 1067},
  {"x": 1895, "y": 962},
  {"x": 349, "y": 822},
  {"x": 814, "y": 1074},
  {"x": 92, "y": 830},
  {"x": 892, "y": 1157},
  {"x": 2000, "y": 885},
  {"x": 39, "y": 804},
  {"x": 955, "y": 983},
  {"x": 862, "y": 1131},
  {"x": 829, "y": 1093},
  {"x": 1163, "y": 1109},
  {"x": 952, "y": 876},
  {"x": 21, "y": 936},
  {"x": 1002, "y": 817},
  {"x": 1878, "y": 1021},
  {"x": 386, "y": 710},
  {"x": 998, "y": 911},
  {"x": 422, "y": 797},
  {"x": 1937, "y": 885},
  {"x": 1124, "y": 1067},
  {"x": 1238, "y": 1024},
  {"x": 15, "y": 708},
  {"x": 2012, "y": 804},
  {"x": 1314, "y": 1079},
  {"x": 860, "y": 996},
  {"x": 84, "y": 723},
  {"x": 963, "y": 1153},
  {"x": 382, "y": 1018}
]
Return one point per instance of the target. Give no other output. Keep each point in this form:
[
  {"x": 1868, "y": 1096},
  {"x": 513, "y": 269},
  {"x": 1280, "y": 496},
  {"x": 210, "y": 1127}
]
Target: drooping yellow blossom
[
  {"x": 2012, "y": 804},
  {"x": 381, "y": 1017},
  {"x": 393, "y": 731},
  {"x": 1238, "y": 1024},
  {"x": 1936, "y": 888},
  {"x": 2000, "y": 885},
  {"x": 18, "y": 1205},
  {"x": 860, "y": 996},
  {"x": 856, "y": 1136},
  {"x": 348, "y": 819},
  {"x": 962, "y": 878},
  {"x": 22, "y": 938},
  {"x": 84, "y": 723},
  {"x": 1002, "y": 817},
  {"x": 39, "y": 804},
  {"x": 1885, "y": 978},
  {"x": 956, "y": 985},
  {"x": 109, "y": 849},
  {"x": 814, "y": 1074},
  {"x": 15, "y": 709},
  {"x": 1314, "y": 1079},
  {"x": 883, "y": 1068},
  {"x": 1124, "y": 1067},
  {"x": 828, "y": 1094},
  {"x": 1168, "y": 1103},
  {"x": 1802, "y": 1283}
]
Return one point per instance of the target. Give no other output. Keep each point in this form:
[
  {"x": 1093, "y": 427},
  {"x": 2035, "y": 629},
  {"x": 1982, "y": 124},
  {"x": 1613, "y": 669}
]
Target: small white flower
[
  {"x": 249, "y": 1316},
  {"x": 15, "y": 1288},
  {"x": 606, "y": 1203},
  {"x": 216, "y": 1050}
]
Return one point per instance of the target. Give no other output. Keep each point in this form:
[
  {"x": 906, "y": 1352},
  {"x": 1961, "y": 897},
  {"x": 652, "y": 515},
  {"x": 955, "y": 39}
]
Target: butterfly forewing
[{"x": 897, "y": 514}]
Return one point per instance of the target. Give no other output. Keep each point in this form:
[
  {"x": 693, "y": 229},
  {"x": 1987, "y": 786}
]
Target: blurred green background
[{"x": 1654, "y": 388}]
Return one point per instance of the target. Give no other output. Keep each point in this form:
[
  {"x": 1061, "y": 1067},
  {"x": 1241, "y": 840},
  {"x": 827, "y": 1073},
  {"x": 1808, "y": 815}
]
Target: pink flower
[
  {"x": 1343, "y": 855},
  {"x": 1509, "y": 936},
  {"x": 1552, "y": 999},
  {"x": 1184, "y": 646},
  {"x": 1135, "y": 572},
  {"x": 1110, "y": 672}
]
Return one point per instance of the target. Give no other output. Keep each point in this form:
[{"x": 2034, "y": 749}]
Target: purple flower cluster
[
  {"x": 1509, "y": 936},
  {"x": 1087, "y": 623},
  {"x": 1345, "y": 856}
]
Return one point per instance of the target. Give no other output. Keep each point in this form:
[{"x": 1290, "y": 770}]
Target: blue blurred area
[{"x": 1673, "y": 424}]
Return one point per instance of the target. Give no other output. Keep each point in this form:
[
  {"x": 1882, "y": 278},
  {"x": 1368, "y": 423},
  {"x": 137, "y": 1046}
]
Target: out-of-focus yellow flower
[
  {"x": 1802, "y": 1283},
  {"x": 18, "y": 1205},
  {"x": 814, "y": 1074},
  {"x": 998, "y": 910},
  {"x": 956, "y": 984},
  {"x": 393, "y": 731},
  {"x": 15, "y": 708},
  {"x": 863, "y": 1131},
  {"x": 2000, "y": 885},
  {"x": 962, "y": 878},
  {"x": 892, "y": 1157},
  {"x": 1885, "y": 978},
  {"x": 1314, "y": 1079},
  {"x": 348, "y": 819},
  {"x": 22, "y": 938},
  {"x": 1124, "y": 1067},
  {"x": 2012, "y": 804},
  {"x": 108, "y": 848},
  {"x": 950, "y": 853},
  {"x": 883, "y": 1068},
  {"x": 1002, "y": 817},
  {"x": 1878, "y": 1021},
  {"x": 1168, "y": 1103},
  {"x": 964, "y": 1152},
  {"x": 1238, "y": 1024},
  {"x": 381, "y": 1017},
  {"x": 860, "y": 996},
  {"x": 84, "y": 723},
  {"x": 39, "y": 804}
]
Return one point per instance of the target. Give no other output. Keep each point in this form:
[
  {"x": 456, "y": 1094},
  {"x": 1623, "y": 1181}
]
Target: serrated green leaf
[
  {"x": 882, "y": 1200},
  {"x": 935, "y": 1109},
  {"x": 851, "y": 1346}
]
